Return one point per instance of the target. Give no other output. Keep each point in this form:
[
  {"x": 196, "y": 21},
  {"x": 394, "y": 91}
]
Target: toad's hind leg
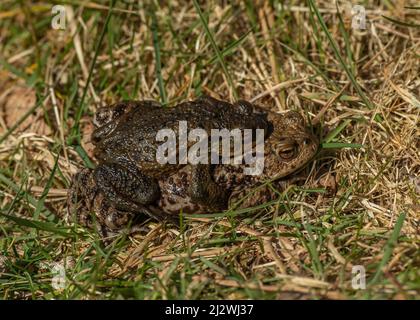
[
  {"x": 90, "y": 206},
  {"x": 127, "y": 189},
  {"x": 205, "y": 191}
]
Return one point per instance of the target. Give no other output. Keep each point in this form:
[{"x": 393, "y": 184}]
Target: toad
[{"x": 129, "y": 181}]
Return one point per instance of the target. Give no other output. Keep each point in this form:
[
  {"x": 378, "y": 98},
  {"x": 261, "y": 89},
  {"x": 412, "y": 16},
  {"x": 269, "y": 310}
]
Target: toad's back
[{"x": 133, "y": 140}]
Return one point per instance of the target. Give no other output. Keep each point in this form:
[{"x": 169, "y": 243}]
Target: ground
[{"x": 357, "y": 213}]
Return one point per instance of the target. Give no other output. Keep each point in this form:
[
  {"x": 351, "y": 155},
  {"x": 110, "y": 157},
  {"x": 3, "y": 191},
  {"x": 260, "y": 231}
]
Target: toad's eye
[
  {"x": 306, "y": 141},
  {"x": 288, "y": 153},
  {"x": 286, "y": 149}
]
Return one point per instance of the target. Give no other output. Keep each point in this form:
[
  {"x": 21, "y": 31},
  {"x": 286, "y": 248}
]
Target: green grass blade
[
  {"x": 389, "y": 247},
  {"x": 346, "y": 38},
  {"x": 80, "y": 109},
  {"x": 337, "y": 130},
  {"x": 216, "y": 49},
  {"x": 41, "y": 225},
  {"x": 48, "y": 214},
  {"x": 40, "y": 205},
  {"x": 311, "y": 64},
  {"x": 12, "y": 69},
  {"x": 340, "y": 145},
  {"x": 339, "y": 57},
  {"x": 313, "y": 251},
  {"x": 401, "y": 23},
  {"x": 84, "y": 156},
  {"x": 156, "y": 47},
  {"x": 213, "y": 266},
  {"x": 230, "y": 49}
]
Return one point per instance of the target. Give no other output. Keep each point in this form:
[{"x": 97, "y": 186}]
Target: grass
[{"x": 360, "y": 201}]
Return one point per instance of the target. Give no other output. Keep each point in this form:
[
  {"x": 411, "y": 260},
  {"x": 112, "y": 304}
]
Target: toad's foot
[{"x": 205, "y": 191}]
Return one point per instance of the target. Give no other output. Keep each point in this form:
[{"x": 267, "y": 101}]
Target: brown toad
[
  {"x": 289, "y": 146},
  {"x": 128, "y": 180}
]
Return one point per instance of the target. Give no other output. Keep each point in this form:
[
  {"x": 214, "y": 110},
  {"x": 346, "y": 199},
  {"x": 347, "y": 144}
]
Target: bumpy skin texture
[
  {"x": 128, "y": 182},
  {"x": 288, "y": 147},
  {"x": 126, "y": 147},
  {"x": 126, "y": 179}
]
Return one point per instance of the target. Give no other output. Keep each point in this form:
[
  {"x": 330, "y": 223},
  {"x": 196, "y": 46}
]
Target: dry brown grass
[{"x": 305, "y": 245}]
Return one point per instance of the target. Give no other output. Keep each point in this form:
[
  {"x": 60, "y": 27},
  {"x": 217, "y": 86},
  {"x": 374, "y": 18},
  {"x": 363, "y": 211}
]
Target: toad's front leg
[
  {"x": 125, "y": 188},
  {"x": 205, "y": 191}
]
